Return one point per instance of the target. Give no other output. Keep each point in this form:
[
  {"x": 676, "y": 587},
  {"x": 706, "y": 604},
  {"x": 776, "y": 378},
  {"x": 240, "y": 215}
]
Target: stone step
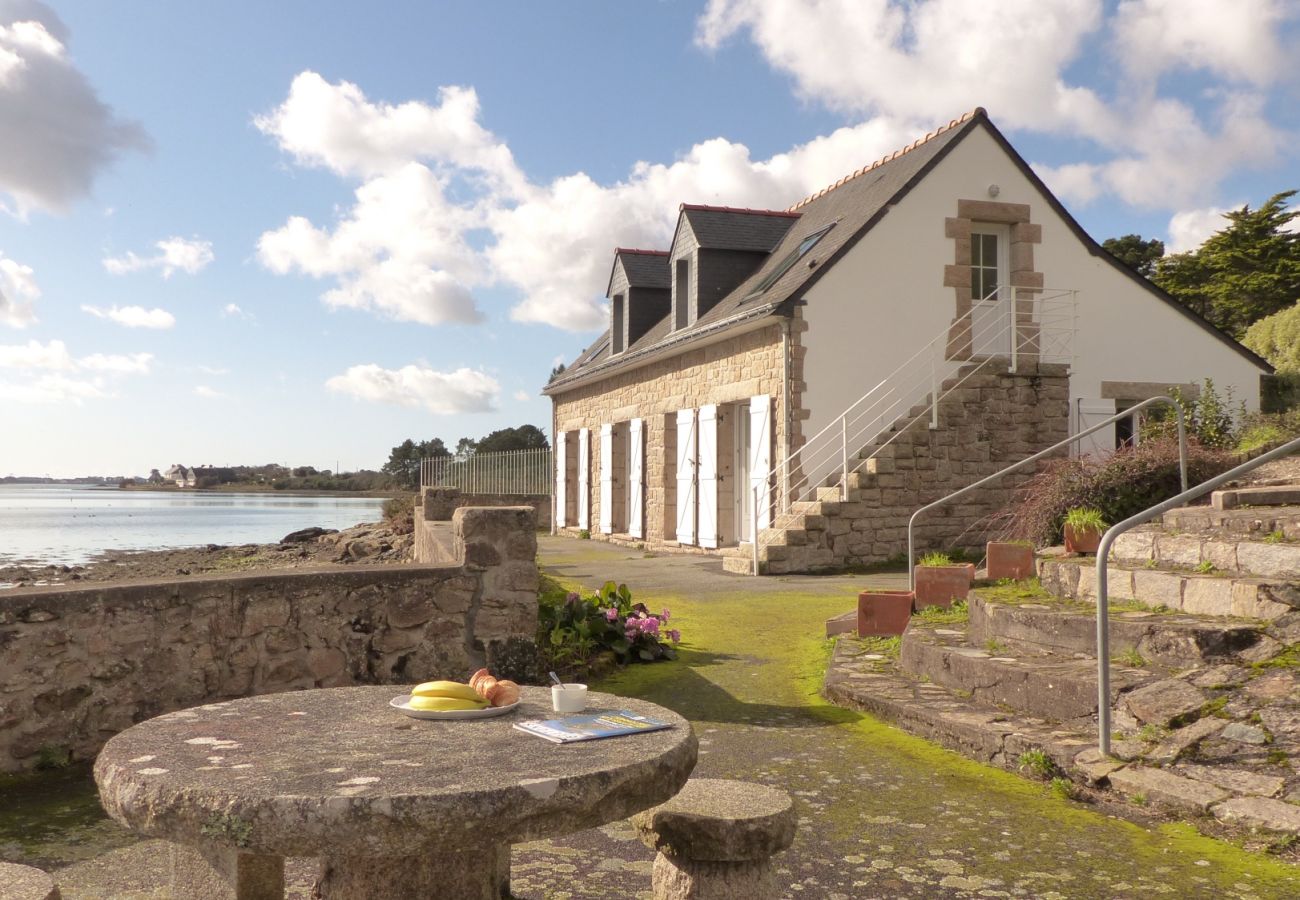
[
  {"x": 1267, "y": 495},
  {"x": 1052, "y": 625},
  {"x": 1203, "y": 595},
  {"x": 782, "y": 537},
  {"x": 1057, "y": 687},
  {"x": 1262, "y": 559},
  {"x": 738, "y": 564},
  {"x": 1257, "y": 522}
]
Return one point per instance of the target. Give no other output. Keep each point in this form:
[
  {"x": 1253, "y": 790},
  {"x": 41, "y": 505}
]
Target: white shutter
[
  {"x": 636, "y": 479},
  {"x": 607, "y": 479},
  {"x": 686, "y": 476},
  {"x": 584, "y": 478},
  {"x": 561, "y": 476},
  {"x": 760, "y": 457},
  {"x": 707, "y": 489}
]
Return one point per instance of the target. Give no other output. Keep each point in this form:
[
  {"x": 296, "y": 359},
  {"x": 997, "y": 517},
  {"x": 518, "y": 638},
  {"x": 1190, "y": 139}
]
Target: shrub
[
  {"x": 1208, "y": 419},
  {"x": 935, "y": 559},
  {"x": 399, "y": 513},
  {"x": 1262, "y": 430},
  {"x": 1119, "y": 485},
  {"x": 574, "y": 631},
  {"x": 1085, "y": 518}
]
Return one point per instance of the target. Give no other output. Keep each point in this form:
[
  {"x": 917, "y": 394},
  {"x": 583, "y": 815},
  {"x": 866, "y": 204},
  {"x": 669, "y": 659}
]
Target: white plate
[{"x": 487, "y": 712}]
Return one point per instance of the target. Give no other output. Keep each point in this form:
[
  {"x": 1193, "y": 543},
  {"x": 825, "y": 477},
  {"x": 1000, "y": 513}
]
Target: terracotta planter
[
  {"x": 883, "y": 613},
  {"x": 1084, "y": 541},
  {"x": 1015, "y": 561},
  {"x": 941, "y": 585}
]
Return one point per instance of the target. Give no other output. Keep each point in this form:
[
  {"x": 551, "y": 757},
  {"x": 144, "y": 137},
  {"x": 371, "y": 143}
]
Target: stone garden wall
[{"x": 78, "y": 665}]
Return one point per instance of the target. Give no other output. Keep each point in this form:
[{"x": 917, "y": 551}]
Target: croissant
[
  {"x": 485, "y": 686},
  {"x": 477, "y": 677},
  {"x": 502, "y": 693}
]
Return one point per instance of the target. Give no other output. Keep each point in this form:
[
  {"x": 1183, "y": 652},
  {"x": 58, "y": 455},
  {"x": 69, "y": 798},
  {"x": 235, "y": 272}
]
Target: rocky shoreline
[{"x": 369, "y": 543}]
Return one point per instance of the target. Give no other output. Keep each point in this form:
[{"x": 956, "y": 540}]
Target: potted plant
[
  {"x": 1083, "y": 529},
  {"x": 1010, "y": 559},
  {"x": 940, "y": 581},
  {"x": 883, "y": 613}
]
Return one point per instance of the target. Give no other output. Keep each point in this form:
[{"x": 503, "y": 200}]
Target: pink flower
[
  {"x": 663, "y": 616},
  {"x": 675, "y": 635},
  {"x": 631, "y": 634},
  {"x": 611, "y": 614},
  {"x": 650, "y": 626}
]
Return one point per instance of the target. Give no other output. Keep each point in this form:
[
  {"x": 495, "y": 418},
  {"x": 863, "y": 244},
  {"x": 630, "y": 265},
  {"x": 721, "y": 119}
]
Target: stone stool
[
  {"x": 716, "y": 839},
  {"x": 25, "y": 883}
]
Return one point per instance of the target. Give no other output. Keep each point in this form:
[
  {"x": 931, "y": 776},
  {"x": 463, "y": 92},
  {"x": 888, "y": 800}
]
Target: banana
[
  {"x": 453, "y": 689},
  {"x": 444, "y": 703}
]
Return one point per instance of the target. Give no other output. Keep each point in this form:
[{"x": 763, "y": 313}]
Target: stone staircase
[
  {"x": 1205, "y": 691},
  {"x": 988, "y": 418}
]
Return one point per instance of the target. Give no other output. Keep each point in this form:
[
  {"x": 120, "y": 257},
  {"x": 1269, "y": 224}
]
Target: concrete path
[{"x": 882, "y": 814}]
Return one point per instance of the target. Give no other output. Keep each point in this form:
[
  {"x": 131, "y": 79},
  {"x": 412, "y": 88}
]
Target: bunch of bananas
[{"x": 445, "y": 695}]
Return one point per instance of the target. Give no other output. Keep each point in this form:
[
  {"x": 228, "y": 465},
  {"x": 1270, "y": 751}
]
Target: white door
[
  {"x": 561, "y": 474},
  {"x": 707, "y": 482},
  {"x": 990, "y": 246},
  {"x": 636, "y": 479},
  {"x": 584, "y": 478},
  {"x": 744, "y": 489},
  {"x": 686, "y": 476},
  {"x": 607, "y": 479},
  {"x": 760, "y": 456},
  {"x": 1089, "y": 412}
]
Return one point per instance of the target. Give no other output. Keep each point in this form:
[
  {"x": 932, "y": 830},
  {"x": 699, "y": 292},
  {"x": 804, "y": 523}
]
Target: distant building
[{"x": 180, "y": 476}]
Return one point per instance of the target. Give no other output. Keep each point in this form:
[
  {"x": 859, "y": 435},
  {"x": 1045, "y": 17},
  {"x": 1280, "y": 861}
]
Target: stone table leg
[
  {"x": 690, "y": 879},
  {"x": 451, "y": 875},
  {"x": 225, "y": 874}
]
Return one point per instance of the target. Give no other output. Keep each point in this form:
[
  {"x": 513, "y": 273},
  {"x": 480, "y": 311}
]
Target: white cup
[{"x": 569, "y": 698}]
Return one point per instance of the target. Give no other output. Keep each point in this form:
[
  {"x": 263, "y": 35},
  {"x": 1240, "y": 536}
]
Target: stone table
[{"x": 393, "y": 806}]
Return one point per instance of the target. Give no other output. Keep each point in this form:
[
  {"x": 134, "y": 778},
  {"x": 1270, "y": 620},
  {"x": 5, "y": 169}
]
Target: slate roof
[
  {"x": 644, "y": 268},
  {"x": 852, "y": 205},
  {"x": 728, "y": 228}
]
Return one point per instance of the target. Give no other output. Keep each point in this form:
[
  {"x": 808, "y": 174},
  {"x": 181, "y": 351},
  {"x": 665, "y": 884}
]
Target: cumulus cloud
[
  {"x": 68, "y": 134},
  {"x": 175, "y": 254},
  {"x": 895, "y": 59},
  {"x": 17, "y": 291},
  {"x": 444, "y": 393},
  {"x": 522, "y": 396},
  {"x": 235, "y": 311},
  {"x": 1189, "y": 229},
  {"x": 49, "y": 373},
  {"x": 208, "y": 393},
  {"x": 133, "y": 316}
]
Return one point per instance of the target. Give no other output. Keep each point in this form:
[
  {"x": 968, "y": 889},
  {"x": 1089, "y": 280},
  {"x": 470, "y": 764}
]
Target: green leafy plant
[
  {"x": 1063, "y": 788},
  {"x": 1204, "y": 567},
  {"x": 935, "y": 559},
  {"x": 574, "y": 631},
  {"x": 1274, "y": 537},
  {"x": 956, "y": 614},
  {"x": 1131, "y": 657},
  {"x": 1038, "y": 763},
  {"x": 52, "y": 756},
  {"x": 994, "y": 647},
  {"x": 1139, "y": 799},
  {"x": 1085, "y": 518},
  {"x": 584, "y": 534}
]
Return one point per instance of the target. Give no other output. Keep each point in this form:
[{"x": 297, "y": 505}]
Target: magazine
[{"x": 591, "y": 728}]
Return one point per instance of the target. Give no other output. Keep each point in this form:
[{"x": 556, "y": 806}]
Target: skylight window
[{"x": 790, "y": 259}]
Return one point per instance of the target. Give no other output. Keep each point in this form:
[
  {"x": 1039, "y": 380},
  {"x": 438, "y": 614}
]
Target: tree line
[{"x": 404, "y": 460}]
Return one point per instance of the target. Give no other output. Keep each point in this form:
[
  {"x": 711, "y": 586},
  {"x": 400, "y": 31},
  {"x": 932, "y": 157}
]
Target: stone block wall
[
  {"x": 730, "y": 371},
  {"x": 78, "y": 665},
  {"x": 439, "y": 502}
]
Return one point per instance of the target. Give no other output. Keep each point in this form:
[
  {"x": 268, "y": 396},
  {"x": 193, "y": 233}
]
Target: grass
[
  {"x": 1132, "y": 658},
  {"x": 1274, "y": 537},
  {"x": 1064, "y": 788},
  {"x": 1216, "y": 707},
  {"x": 994, "y": 647},
  {"x": 935, "y": 560},
  {"x": 1038, "y": 763},
  {"x": 1029, "y": 590},
  {"x": 957, "y": 614},
  {"x": 885, "y": 646},
  {"x": 1151, "y": 733},
  {"x": 1204, "y": 567}
]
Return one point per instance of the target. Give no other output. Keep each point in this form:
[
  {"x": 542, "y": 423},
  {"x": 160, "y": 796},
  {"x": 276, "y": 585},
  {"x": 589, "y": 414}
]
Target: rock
[
  {"x": 1095, "y": 766},
  {"x": 1127, "y": 750},
  {"x": 1264, "y": 649},
  {"x": 1281, "y": 721},
  {"x": 1245, "y": 734},
  {"x": 1218, "y": 676},
  {"x": 1260, "y": 812},
  {"x": 306, "y": 534},
  {"x": 720, "y": 820},
  {"x": 1164, "y": 702},
  {"x": 1183, "y": 739},
  {"x": 1238, "y": 781},
  {"x": 1166, "y": 788},
  {"x": 1272, "y": 686},
  {"x": 25, "y": 883}
]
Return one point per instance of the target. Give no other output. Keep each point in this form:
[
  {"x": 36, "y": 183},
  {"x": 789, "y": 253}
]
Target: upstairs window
[
  {"x": 681, "y": 295},
  {"x": 787, "y": 261},
  {"x": 616, "y": 329},
  {"x": 983, "y": 265}
]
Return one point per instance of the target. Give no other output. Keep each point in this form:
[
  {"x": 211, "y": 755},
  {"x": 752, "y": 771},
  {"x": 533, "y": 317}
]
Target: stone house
[
  {"x": 181, "y": 476},
  {"x": 810, "y": 376}
]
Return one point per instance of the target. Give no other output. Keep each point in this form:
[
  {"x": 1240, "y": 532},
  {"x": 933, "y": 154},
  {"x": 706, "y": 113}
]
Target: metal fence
[{"x": 511, "y": 472}]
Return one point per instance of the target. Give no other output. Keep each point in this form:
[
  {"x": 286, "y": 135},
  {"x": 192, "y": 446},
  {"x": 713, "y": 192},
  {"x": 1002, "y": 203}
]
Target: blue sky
[{"x": 302, "y": 232}]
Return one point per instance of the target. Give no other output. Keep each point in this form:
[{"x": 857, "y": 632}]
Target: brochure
[{"x": 591, "y": 728}]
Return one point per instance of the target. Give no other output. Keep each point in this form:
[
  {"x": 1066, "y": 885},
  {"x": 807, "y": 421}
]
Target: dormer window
[
  {"x": 616, "y": 329},
  {"x": 682, "y": 294},
  {"x": 790, "y": 259}
]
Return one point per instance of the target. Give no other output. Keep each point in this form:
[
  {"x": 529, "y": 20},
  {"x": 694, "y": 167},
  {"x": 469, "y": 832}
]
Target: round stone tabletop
[{"x": 338, "y": 771}]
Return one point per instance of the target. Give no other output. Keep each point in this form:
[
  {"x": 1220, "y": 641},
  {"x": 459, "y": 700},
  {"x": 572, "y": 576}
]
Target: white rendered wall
[{"x": 885, "y": 299}]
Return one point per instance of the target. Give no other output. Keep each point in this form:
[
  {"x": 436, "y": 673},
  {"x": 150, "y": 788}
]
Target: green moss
[
  {"x": 1287, "y": 659},
  {"x": 1007, "y": 591}
]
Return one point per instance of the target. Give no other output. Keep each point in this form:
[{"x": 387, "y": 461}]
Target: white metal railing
[
  {"x": 1008, "y": 324},
  {"x": 509, "y": 472}
]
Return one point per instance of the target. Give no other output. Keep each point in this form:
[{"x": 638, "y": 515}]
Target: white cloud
[
  {"x": 175, "y": 254},
  {"x": 1189, "y": 229},
  {"x": 17, "y": 290},
  {"x": 444, "y": 393},
  {"x": 133, "y": 316},
  {"x": 932, "y": 58},
  {"x": 69, "y": 134},
  {"x": 213, "y": 370},
  {"x": 208, "y": 393},
  {"x": 522, "y": 396},
  {"x": 48, "y": 373},
  {"x": 235, "y": 311}
]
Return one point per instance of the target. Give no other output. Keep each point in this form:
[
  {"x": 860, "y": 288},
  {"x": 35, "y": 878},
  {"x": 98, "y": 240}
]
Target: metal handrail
[
  {"x": 1182, "y": 469},
  {"x": 1103, "y": 550}
]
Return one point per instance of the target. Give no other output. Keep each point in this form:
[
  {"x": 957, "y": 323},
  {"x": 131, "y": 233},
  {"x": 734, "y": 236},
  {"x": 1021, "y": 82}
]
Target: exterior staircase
[{"x": 1205, "y": 692}]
